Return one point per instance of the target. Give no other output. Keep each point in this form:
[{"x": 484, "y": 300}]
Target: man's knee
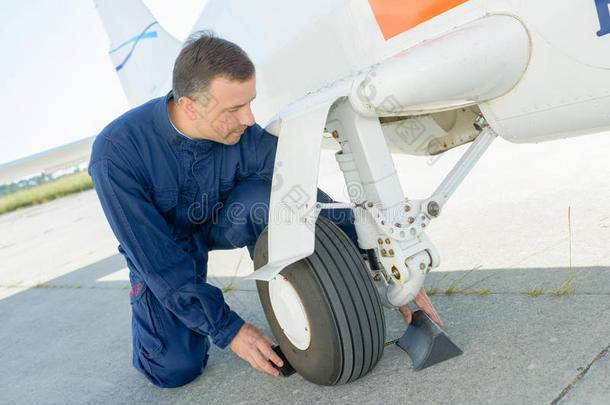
[
  {"x": 167, "y": 352},
  {"x": 244, "y": 215},
  {"x": 251, "y": 198},
  {"x": 172, "y": 369}
]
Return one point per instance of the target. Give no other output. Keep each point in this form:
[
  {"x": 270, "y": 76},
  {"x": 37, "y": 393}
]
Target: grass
[
  {"x": 432, "y": 291},
  {"x": 480, "y": 291},
  {"x": 455, "y": 286},
  {"x": 534, "y": 292},
  {"x": 229, "y": 286},
  {"x": 566, "y": 287},
  {"x": 18, "y": 284},
  {"x": 63, "y": 186},
  {"x": 457, "y": 281}
]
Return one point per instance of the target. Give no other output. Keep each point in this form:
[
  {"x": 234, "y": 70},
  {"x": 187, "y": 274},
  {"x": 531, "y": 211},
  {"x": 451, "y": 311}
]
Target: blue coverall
[{"x": 168, "y": 200}]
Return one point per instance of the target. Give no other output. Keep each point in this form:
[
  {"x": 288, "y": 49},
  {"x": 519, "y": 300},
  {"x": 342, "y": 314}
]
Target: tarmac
[{"x": 523, "y": 289}]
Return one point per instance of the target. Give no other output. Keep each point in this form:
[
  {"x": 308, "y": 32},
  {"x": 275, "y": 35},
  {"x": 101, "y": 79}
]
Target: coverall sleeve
[
  {"x": 167, "y": 270},
  {"x": 261, "y": 155}
]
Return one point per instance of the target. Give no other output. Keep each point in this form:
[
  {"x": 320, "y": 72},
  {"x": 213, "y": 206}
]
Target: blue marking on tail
[
  {"x": 134, "y": 41},
  {"x": 604, "y": 16}
]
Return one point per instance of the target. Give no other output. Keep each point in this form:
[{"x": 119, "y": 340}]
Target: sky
[{"x": 56, "y": 78}]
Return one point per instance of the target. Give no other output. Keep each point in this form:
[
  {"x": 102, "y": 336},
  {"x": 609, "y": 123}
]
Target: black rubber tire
[{"x": 342, "y": 305}]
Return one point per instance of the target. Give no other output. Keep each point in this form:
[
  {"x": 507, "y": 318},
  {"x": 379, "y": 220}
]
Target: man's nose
[{"x": 247, "y": 118}]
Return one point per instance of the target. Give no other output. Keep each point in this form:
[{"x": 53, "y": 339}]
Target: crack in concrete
[{"x": 580, "y": 376}]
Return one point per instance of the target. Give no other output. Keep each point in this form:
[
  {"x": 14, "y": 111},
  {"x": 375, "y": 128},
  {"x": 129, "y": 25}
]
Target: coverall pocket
[{"x": 146, "y": 323}]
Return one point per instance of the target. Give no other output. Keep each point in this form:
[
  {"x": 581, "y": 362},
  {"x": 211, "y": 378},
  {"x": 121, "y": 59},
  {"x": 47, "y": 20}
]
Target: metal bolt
[
  {"x": 377, "y": 277},
  {"x": 422, "y": 266},
  {"x": 335, "y": 134},
  {"x": 383, "y": 252},
  {"x": 480, "y": 123},
  {"x": 382, "y": 222},
  {"x": 423, "y": 218},
  {"x": 398, "y": 225},
  {"x": 391, "y": 252},
  {"x": 434, "y": 209},
  {"x": 370, "y": 205},
  {"x": 411, "y": 220},
  {"x": 407, "y": 208},
  {"x": 395, "y": 273},
  {"x": 387, "y": 240},
  {"x": 380, "y": 241},
  {"x": 423, "y": 225}
]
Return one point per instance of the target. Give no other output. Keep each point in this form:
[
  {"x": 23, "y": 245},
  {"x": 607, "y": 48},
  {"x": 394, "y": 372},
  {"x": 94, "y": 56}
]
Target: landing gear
[{"x": 324, "y": 310}]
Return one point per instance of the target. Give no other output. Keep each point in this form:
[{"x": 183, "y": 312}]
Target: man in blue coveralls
[{"x": 167, "y": 174}]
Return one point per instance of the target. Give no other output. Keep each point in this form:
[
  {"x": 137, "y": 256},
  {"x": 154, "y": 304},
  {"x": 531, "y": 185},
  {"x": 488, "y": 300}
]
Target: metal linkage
[{"x": 461, "y": 168}]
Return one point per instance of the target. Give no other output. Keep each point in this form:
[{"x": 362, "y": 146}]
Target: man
[{"x": 168, "y": 175}]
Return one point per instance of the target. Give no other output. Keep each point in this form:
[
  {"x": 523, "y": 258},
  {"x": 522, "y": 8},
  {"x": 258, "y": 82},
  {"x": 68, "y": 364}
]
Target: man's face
[{"x": 223, "y": 111}]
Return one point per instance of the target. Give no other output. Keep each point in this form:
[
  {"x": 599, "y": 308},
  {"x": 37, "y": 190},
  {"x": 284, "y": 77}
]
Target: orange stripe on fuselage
[{"x": 397, "y": 16}]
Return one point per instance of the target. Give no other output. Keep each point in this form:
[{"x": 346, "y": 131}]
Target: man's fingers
[
  {"x": 264, "y": 345},
  {"x": 434, "y": 316},
  {"x": 422, "y": 298},
  {"x": 429, "y": 309},
  {"x": 255, "y": 364},
  {"x": 423, "y": 301},
  {"x": 406, "y": 313},
  {"x": 263, "y": 364},
  {"x": 271, "y": 355}
]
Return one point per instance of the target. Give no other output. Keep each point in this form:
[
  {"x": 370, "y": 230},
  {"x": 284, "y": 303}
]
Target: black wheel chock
[{"x": 426, "y": 343}]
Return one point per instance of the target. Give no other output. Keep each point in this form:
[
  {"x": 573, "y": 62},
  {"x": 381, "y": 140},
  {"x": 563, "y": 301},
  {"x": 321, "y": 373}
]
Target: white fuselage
[{"x": 301, "y": 47}]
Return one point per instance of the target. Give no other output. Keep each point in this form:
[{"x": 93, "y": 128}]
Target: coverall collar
[{"x": 175, "y": 138}]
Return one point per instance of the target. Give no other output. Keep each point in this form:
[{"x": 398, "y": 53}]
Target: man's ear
[{"x": 189, "y": 107}]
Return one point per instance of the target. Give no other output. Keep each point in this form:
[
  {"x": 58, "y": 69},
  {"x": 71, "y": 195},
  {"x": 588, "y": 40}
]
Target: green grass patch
[
  {"x": 229, "y": 286},
  {"x": 456, "y": 282},
  {"x": 72, "y": 183},
  {"x": 453, "y": 287},
  {"x": 534, "y": 292},
  {"x": 432, "y": 290},
  {"x": 479, "y": 291},
  {"x": 565, "y": 288}
]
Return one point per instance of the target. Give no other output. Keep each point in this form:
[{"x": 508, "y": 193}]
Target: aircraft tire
[{"x": 343, "y": 311}]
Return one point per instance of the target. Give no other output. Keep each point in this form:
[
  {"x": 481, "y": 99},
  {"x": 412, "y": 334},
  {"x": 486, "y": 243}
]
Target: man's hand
[
  {"x": 422, "y": 301},
  {"x": 252, "y": 345}
]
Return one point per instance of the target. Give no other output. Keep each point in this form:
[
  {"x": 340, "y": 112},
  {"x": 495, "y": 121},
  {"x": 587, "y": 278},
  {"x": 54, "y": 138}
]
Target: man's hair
[{"x": 203, "y": 57}]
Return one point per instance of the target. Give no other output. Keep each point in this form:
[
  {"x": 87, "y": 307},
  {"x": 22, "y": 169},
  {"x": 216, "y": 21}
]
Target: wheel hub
[{"x": 290, "y": 312}]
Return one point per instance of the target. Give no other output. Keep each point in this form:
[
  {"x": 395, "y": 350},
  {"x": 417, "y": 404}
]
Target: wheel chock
[
  {"x": 426, "y": 343},
  {"x": 286, "y": 370}
]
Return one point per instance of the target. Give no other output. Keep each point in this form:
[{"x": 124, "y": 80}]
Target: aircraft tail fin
[{"x": 142, "y": 52}]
